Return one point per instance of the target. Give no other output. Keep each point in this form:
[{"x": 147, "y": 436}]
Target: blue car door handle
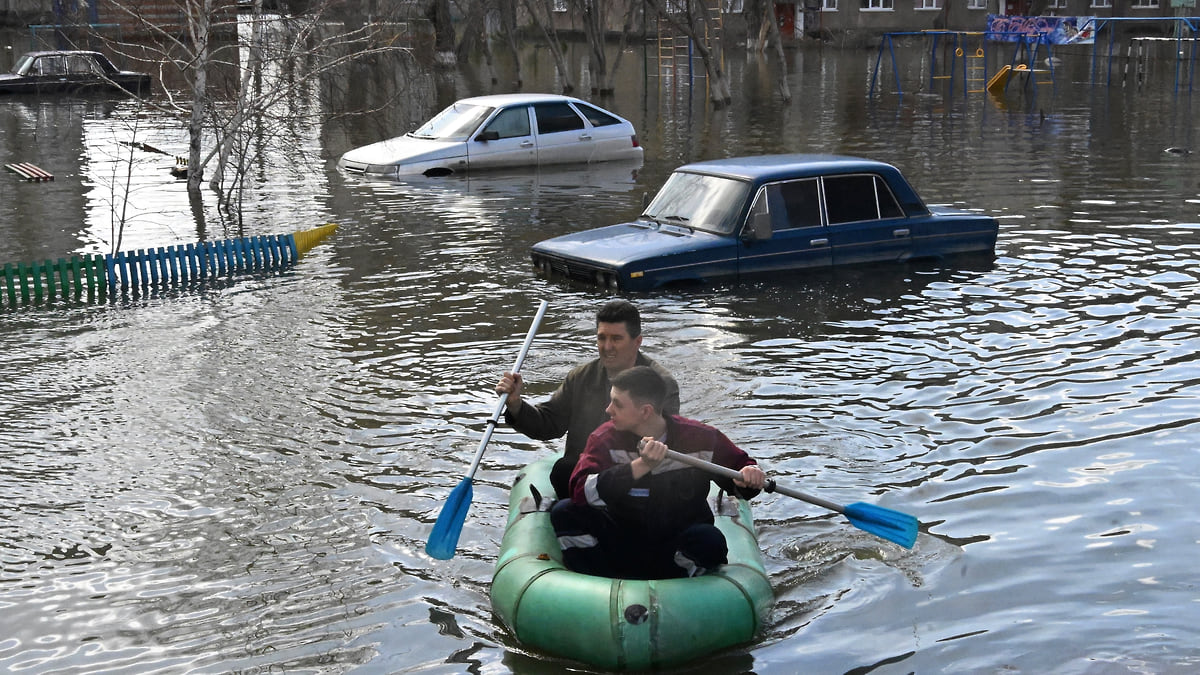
[
  {"x": 818, "y": 242},
  {"x": 902, "y": 232}
]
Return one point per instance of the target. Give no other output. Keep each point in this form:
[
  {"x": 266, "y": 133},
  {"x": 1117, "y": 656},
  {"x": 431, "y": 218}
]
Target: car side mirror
[
  {"x": 488, "y": 136},
  {"x": 759, "y": 229}
]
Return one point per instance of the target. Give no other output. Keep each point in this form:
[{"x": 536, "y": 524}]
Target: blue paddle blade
[
  {"x": 444, "y": 537},
  {"x": 894, "y": 526}
]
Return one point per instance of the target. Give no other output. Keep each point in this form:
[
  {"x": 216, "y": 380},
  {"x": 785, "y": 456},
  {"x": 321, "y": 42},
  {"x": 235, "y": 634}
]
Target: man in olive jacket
[{"x": 577, "y": 407}]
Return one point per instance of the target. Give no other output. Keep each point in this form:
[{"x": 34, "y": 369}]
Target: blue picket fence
[{"x": 95, "y": 277}]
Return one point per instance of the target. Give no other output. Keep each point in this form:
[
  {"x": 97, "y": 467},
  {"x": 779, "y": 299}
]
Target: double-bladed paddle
[
  {"x": 894, "y": 526},
  {"x": 444, "y": 537}
]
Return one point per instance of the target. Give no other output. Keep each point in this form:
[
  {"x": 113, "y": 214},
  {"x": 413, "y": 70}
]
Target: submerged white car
[{"x": 504, "y": 130}]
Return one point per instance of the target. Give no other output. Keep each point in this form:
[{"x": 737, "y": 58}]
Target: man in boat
[
  {"x": 633, "y": 513},
  {"x": 577, "y": 407}
]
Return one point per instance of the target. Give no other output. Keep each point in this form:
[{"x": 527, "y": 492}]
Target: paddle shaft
[
  {"x": 495, "y": 419},
  {"x": 771, "y": 486}
]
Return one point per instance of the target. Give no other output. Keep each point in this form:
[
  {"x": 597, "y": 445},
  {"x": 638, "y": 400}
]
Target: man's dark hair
[
  {"x": 643, "y": 384},
  {"x": 621, "y": 311}
]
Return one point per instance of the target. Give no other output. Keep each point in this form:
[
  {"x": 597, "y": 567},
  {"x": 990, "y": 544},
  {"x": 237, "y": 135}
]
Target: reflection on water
[{"x": 244, "y": 476}]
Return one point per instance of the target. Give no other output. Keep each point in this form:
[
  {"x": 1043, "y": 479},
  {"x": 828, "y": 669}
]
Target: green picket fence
[{"x": 77, "y": 278}]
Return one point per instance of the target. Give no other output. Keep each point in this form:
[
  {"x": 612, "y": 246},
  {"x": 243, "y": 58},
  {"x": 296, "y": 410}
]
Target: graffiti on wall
[{"x": 1055, "y": 30}]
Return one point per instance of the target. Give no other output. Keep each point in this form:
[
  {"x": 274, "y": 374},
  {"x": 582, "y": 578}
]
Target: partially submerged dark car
[
  {"x": 767, "y": 214},
  {"x": 69, "y": 71}
]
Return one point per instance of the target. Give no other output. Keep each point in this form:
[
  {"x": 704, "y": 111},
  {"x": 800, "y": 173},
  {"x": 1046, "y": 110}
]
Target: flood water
[{"x": 242, "y": 477}]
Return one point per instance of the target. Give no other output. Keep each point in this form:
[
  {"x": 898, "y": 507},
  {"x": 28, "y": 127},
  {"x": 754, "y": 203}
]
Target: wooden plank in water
[{"x": 29, "y": 172}]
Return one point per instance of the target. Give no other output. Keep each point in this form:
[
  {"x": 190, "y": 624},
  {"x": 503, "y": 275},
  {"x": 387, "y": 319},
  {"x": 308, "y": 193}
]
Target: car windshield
[
  {"x": 455, "y": 123},
  {"x": 708, "y": 203},
  {"x": 22, "y": 64}
]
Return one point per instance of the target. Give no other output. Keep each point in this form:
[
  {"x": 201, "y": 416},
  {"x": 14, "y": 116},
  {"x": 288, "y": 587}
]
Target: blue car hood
[{"x": 619, "y": 245}]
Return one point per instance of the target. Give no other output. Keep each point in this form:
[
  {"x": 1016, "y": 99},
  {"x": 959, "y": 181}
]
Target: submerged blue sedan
[
  {"x": 70, "y": 71},
  {"x": 767, "y": 214}
]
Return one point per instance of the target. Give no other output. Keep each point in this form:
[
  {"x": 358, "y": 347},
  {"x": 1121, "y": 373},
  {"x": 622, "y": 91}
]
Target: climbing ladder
[
  {"x": 976, "y": 65},
  {"x": 676, "y": 50}
]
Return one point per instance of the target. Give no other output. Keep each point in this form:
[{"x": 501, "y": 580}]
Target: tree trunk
[
  {"x": 594, "y": 23},
  {"x": 718, "y": 88},
  {"x": 250, "y": 70},
  {"x": 621, "y": 44},
  {"x": 785, "y": 92},
  {"x": 200, "y": 26},
  {"x": 438, "y": 14},
  {"x": 536, "y": 10},
  {"x": 508, "y": 21}
]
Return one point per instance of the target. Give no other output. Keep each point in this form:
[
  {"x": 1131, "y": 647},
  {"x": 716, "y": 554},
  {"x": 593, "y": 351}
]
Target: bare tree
[
  {"x": 508, "y": 27},
  {"x": 246, "y": 83},
  {"x": 763, "y": 13},
  {"x": 631, "y": 14},
  {"x": 696, "y": 21},
  {"x": 541, "y": 13},
  {"x": 595, "y": 16},
  {"x": 476, "y": 30},
  {"x": 595, "y": 25}
]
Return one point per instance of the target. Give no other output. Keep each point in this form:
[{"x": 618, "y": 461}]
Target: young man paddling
[
  {"x": 634, "y": 514},
  {"x": 577, "y": 407}
]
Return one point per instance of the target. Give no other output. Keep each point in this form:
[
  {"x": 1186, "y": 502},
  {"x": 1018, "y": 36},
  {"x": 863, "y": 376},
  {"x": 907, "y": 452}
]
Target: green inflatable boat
[{"x": 622, "y": 624}]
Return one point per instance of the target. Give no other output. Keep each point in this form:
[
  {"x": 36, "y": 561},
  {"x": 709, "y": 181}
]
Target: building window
[
  {"x": 1101, "y": 3},
  {"x": 877, "y": 5},
  {"x": 1056, "y": 4},
  {"x": 927, "y": 4},
  {"x": 976, "y": 4},
  {"x": 829, "y": 5},
  {"x": 1144, "y": 4}
]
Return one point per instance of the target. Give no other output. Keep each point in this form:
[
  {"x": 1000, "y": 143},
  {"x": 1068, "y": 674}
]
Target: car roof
[
  {"x": 57, "y": 52},
  {"x": 775, "y": 167},
  {"x": 498, "y": 100}
]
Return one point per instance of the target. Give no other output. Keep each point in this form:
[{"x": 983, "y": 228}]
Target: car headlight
[
  {"x": 607, "y": 280},
  {"x": 383, "y": 169}
]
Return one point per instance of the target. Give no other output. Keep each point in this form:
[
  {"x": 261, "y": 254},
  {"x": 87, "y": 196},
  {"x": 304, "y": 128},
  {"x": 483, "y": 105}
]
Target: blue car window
[
  {"x": 50, "y": 65},
  {"x": 81, "y": 65},
  {"x": 511, "y": 123},
  {"x": 851, "y": 199},
  {"x": 799, "y": 203},
  {"x": 888, "y": 206}
]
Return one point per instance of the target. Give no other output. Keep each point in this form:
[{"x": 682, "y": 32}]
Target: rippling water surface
[{"x": 242, "y": 477}]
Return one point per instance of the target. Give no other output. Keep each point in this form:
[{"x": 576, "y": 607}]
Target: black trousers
[{"x": 560, "y": 476}]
